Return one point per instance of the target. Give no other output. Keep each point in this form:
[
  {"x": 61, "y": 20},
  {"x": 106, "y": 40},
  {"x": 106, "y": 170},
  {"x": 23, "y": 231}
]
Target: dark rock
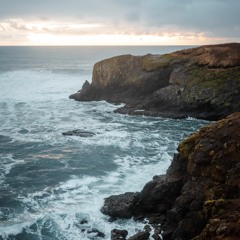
[
  {"x": 82, "y": 227},
  {"x": 199, "y": 196},
  {"x": 117, "y": 234},
  {"x": 112, "y": 219},
  {"x": 85, "y": 86},
  {"x": 84, "y": 221},
  {"x": 120, "y": 205},
  {"x": 82, "y": 92},
  {"x": 97, "y": 232},
  {"x": 140, "y": 236},
  {"x": 199, "y": 82},
  {"x": 191, "y": 225},
  {"x": 157, "y": 235},
  {"x": 147, "y": 228},
  {"x": 157, "y": 232},
  {"x": 79, "y": 133},
  {"x": 159, "y": 194},
  {"x": 24, "y": 131},
  {"x": 156, "y": 218}
]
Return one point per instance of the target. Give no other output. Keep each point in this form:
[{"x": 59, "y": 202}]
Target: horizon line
[{"x": 118, "y": 45}]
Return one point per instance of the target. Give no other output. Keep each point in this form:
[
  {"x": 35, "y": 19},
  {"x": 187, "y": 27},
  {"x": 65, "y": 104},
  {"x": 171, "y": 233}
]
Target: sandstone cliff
[
  {"x": 199, "y": 196},
  {"x": 202, "y": 82}
]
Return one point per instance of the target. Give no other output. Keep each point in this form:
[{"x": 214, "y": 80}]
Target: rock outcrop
[
  {"x": 202, "y": 82},
  {"x": 79, "y": 133},
  {"x": 199, "y": 196}
]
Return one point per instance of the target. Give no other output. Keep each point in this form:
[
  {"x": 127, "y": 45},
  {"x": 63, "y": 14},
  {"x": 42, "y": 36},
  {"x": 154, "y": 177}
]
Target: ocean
[{"x": 53, "y": 186}]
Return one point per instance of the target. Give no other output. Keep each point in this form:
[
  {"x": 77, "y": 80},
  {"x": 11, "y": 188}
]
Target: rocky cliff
[
  {"x": 199, "y": 196},
  {"x": 202, "y": 82}
]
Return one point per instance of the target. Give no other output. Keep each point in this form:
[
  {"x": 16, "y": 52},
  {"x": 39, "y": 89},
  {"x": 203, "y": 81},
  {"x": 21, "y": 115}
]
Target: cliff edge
[
  {"x": 201, "y": 82},
  {"x": 199, "y": 196}
]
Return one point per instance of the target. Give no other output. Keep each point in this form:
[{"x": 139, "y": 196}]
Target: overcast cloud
[{"x": 213, "y": 18}]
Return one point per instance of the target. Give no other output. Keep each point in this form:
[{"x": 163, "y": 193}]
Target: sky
[{"x": 119, "y": 22}]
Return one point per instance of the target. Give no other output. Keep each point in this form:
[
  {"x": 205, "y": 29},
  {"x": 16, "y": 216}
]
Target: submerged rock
[
  {"x": 199, "y": 196},
  {"x": 201, "y": 82},
  {"x": 79, "y": 133},
  {"x": 96, "y": 232}
]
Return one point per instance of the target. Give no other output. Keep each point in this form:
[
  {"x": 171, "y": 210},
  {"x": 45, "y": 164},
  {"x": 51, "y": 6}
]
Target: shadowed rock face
[
  {"x": 201, "y": 82},
  {"x": 199, "y": 196}
]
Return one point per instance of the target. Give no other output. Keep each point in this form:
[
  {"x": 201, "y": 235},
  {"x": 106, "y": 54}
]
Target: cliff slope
[
  {"x": 202, "y": 82},
  {"x": 199, "y": 196}
]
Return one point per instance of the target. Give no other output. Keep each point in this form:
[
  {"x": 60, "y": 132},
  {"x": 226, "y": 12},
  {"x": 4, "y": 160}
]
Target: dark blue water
[{"x": 50, "y": 182}]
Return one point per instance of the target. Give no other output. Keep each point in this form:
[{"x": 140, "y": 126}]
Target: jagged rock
[
  {"x": 159, "y": 194},
  {"x": 199, "y": 197},
  {"x": 120, "y": 205},
  {"x": 85, "y": 86},
  {"x": 144, "y": 235},
  {"x": 96, "y": 232},
  {"x": 117, "y": 234},
  {"x": 201, "y": 82},
  {"x": 79, "y": 133},
  {"x": 86, "y": 89}
]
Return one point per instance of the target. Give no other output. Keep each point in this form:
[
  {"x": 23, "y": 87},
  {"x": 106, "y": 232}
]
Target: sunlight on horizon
[
  {"x": 45, "y": 39},
  {"x": 19, "y": 32},
  {"x": 101, "y": 39}
]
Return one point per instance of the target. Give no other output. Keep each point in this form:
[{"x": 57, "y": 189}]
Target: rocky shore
[
  {"x": 201, "y": 82},
  {"x": 199, "y": 196}
]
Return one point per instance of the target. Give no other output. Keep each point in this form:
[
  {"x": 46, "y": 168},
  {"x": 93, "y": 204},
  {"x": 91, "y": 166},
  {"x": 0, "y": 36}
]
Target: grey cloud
[
  {"x": 207, "y": 16},
  {"x": 44, "y": 19},
  {"x": 215, "y": 17},
  {"x": 133, "y": 16}
]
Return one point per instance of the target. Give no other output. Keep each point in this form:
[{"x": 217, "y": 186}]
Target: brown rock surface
[
  {"x": 199, "y": 197},
  {"x": 214, "y": 56}
]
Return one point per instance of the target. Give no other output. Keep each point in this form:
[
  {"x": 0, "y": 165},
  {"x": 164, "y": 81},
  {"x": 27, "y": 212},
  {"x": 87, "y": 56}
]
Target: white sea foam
[
  {"x": 125, "y": 152},
  {"x": 7, "y": 162},
  {"x": 42, "y": 85}
]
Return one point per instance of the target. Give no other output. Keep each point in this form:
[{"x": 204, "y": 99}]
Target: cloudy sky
[{"x": 119, "y": 22}]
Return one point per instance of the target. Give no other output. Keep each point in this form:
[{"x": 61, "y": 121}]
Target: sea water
[{"x": 53, "y": 186}]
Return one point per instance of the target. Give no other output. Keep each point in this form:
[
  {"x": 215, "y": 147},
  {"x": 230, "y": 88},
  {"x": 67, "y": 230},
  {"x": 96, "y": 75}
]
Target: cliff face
[
  {"x": 199, "y": 197},
  {"x": 123, "y": 79},
  {"x": 201, "y": 82}
]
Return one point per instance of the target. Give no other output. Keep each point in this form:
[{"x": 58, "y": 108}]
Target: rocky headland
[
  {"x": 199, "y": 196},
  {"x": 202, "y": 82}
]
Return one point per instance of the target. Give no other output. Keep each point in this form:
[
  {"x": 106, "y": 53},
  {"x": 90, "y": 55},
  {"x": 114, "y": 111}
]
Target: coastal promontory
[
  {"x": 199, "y": 196},
  {"x": 202, "y": 82}
]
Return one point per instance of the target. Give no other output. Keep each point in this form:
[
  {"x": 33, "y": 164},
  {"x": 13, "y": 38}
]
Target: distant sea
[{"x": 50, "y": 183}]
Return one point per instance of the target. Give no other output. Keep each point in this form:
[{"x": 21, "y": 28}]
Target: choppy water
[{"x": 49, "y": 182}]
